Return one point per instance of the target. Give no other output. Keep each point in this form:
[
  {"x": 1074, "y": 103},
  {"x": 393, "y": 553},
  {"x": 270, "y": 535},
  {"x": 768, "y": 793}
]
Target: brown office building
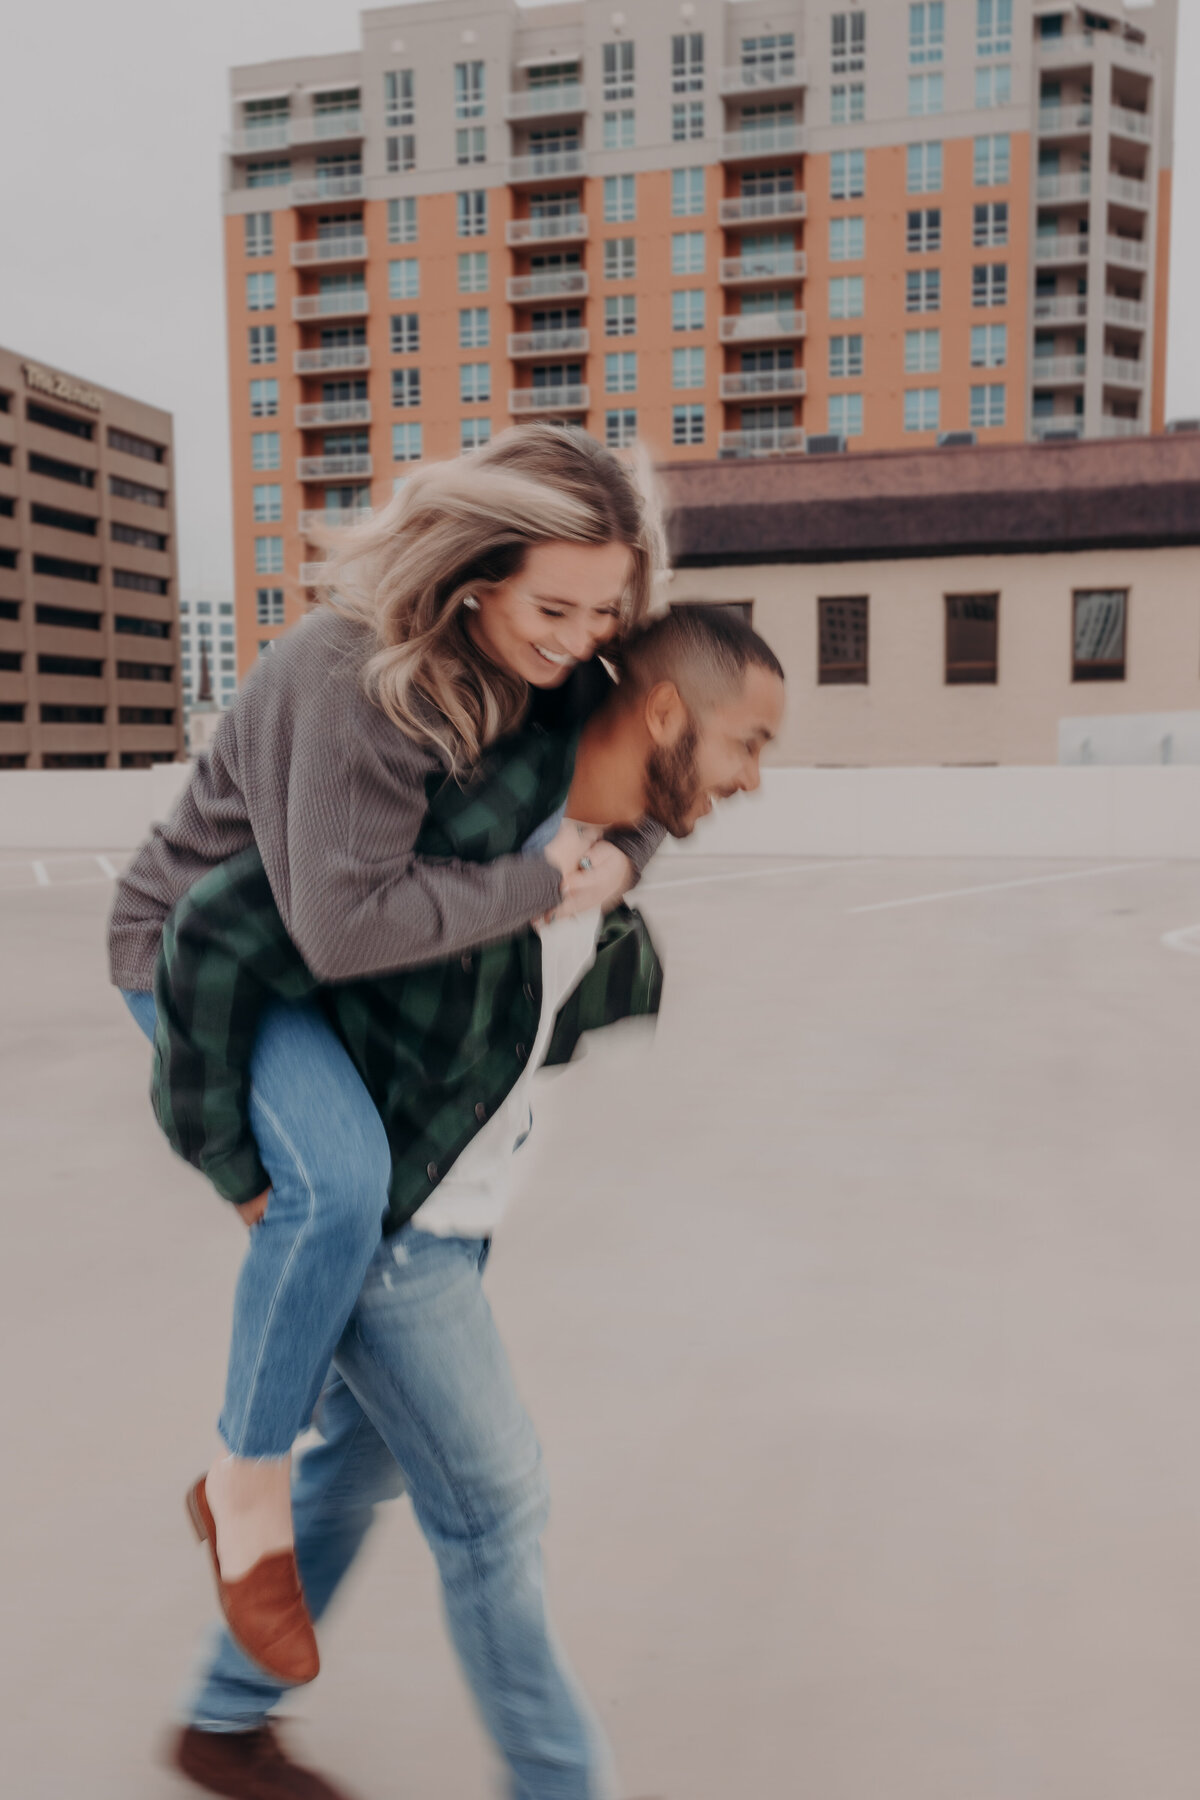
[{"x": 89, "y": 656}]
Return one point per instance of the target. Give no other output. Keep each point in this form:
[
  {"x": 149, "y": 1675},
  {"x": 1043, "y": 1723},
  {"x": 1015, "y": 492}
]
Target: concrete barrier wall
[{"x": 1012, "y": 812}]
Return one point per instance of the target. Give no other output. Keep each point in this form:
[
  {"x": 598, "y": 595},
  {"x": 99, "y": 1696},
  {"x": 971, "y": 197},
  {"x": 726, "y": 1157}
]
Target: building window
[
  {"x": 687, "y": 425},
  {"x": 687, "y": 253},
  {"x": 922, "y": 352},
  {"x": 972, "y": 638},
  {"x": 473, "y": 213},
  {"x": 474, "y": 328},
  {"x": 264, "y": 399},
  {"x": 262, "y": 343},
  {"x": 260, "y": 291},
  {"x": 922, "y": 409},
  {"x": 926, "y": 31},
  {"x": 924, "y": 231},
  {"x": 842, "y": 641},
  {"x": 264, "y": 450},
  {"x": 847, "y": 103},
  {"x": 924, "y": 168},
  {"x": 470, "y": 145},
  {"x": 277, "y": 172},
  {"x": 989, "y": 284},
  {"x": 620, "y": 259},
  {"x": 993, "y": 85},
  {"x": 922, "y": 290},
  {"x": 848, "y": 31},
  {"x": 993, "y": 27},
  {"x": 989, "y": 224},
  {"x": 474, "y": 383},
  {"x": 268, "y": 606},
  {"x": 406, "y": 333},
  {"x": 406, "y": 443},
  {"x": 620, "y": 200},
  {"x": 618, "y": 71},
  {"x": 620, "y": 372},
  {"x": 846, "y": 414},
  {"x": 989, "y": 346},
  {"x": 472, "y": 271},
  {"x": 847, "y": 240},
  {"x": 687, "y": 62},
  {"x": 687, "y": 310},
  {"x": 993, "y": 160},
  {"x": 687, "y": 193},
  {"x": 687, "y": 121},
  {"x": 687, "y": 367},
  {"x": 401, "y": 153},
  {"x": 619, "y": 129},
  {"x": 268, "y": 504},
  {"x": 260, "y": 234},
  {"x": 469, "y": 94},
  {"x": 406, "y": 387},
  {"x": 474, "y": 433},
  {"x": 847, "y": 175},
  {"x": 987, "y": 406},
  {"x": 620, "y": 428},
  {"x": 926, "y": 94},
  {"x": 402, "y": 220},
  {"x": 1099, "y": 634},
  {"x": 620, "y": 315},
  {"x": 846, "y": 297},
  {"x": 268, "y": 556},
  {"x": 845, "y": 356},
  {"x": 404, "y": 278}
]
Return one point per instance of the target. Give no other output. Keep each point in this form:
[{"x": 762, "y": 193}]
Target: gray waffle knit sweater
[{"x": 306, "y": 767}]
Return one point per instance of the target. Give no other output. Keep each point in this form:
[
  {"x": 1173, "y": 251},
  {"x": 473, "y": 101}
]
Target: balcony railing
[
  {"x": 763, "y": 141},
  {"x": 745, "y": 328},
  {"x": 755, "y": 209},
  {"x": 322, "y": 128},
  {"x": 333, "y": 468},
  {"x": 548, "y": 399},
  {"x": 1052, "y": 371},
  {"x": 1080, "y": 47},
  {"x": 1111, "y": 427},
  {"x": 338, "y": 356},
  {"x": 780, "y": 76},
  {"x": 1064, "y": 187},
  {"x": 347, "y": 303},
  {"x": 763, "y": 384},
  {"x": 548, "y": 284},
  {"x": 1125, "y": 312},
  {"x": 1124, "y": 122},
  {"x": 1064, "y": 249},
  {"x": 327, "y": 188},
  {"x": 253, "y": 140},
  {"x": 1059, "y": 309},
  {"x": 1058, "y": 425},
  {"x": 1131, "y": 252},
  {"x": 776, "y": 441},
  {"x": 1124, "y": 371},
  {"x": 764, "y": 265},
  {"x": 334, "y": 412},
  {"x": 556, "y": 165},
  {"x": 570, "y": 342},
  {"x": 328, "y": 250},
  {"x": 1129, "y": 193},
  {"x": 1056, "y": 121},
  {"x": 558, "y": 101},
  {"x": 564, "y": 228},
  {"x": 333, "y": 518}
]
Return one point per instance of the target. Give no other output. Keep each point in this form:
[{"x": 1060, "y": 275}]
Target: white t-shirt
[{"x": 470, "y": 1201}]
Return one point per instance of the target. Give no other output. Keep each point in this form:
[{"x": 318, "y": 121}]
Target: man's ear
[{"x": 666, "y": 714}]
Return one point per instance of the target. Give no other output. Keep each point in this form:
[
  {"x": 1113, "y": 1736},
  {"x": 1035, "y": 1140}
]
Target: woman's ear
[{"x": 665, "y": 713}]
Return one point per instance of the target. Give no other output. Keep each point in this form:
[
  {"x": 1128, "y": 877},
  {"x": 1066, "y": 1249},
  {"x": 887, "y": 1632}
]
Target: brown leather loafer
[
  {"x": 246, "y": 1765},
  {"x": 264, "y": 1609}
]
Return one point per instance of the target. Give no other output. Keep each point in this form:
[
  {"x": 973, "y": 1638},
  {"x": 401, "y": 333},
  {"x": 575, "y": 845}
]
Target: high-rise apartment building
[
  {"x": 89, "y": 655},
  {"x": 727, "y": 227}
]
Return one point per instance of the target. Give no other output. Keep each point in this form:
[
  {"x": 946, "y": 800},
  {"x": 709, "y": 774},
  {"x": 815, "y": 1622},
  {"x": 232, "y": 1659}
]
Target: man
[{"x": 421, "y": 1398}]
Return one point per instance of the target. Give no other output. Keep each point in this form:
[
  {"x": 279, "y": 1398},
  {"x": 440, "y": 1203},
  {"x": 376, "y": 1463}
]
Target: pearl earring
[{"x": 472, "y": 602}]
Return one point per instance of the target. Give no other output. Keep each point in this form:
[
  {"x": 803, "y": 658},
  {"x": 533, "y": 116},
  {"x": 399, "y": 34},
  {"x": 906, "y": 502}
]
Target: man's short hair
[{"x": 705, "y": 650}]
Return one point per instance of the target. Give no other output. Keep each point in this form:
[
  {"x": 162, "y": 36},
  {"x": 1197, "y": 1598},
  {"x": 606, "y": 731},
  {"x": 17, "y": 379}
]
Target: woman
[{"x": 457, "y": 616}]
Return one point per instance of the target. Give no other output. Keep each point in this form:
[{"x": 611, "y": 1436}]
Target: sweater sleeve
[{"x": 639, "y": 842}]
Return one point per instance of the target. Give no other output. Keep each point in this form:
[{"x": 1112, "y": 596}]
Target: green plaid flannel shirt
[{"x": 438, "y": 1047}]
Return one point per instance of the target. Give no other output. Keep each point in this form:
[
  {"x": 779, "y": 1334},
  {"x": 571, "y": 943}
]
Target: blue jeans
[
  {"x": 323, "y": 1145},
  {"x": 421, "y": 1397}
]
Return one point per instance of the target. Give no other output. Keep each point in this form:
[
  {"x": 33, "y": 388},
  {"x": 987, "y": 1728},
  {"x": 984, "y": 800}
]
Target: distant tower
[{"x": 205, "y": 716}]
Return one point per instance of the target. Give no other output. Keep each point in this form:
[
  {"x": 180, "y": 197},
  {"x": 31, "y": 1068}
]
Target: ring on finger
[{"x": 585, "y": 862}]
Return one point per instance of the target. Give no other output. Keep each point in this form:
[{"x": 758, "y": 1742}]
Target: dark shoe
[
  {"x": 264, "y": 1609},
  {"x": 246, "y": 1765}
]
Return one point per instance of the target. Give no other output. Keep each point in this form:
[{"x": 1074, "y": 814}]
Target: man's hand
[{"x": 251, "y": 1211}]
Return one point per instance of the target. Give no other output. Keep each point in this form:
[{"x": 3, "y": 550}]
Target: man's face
[{"x": 714, "y": 755}]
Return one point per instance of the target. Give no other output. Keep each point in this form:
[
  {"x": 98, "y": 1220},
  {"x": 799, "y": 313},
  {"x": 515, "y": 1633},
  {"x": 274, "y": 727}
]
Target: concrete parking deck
[{"x": 856, "y": 1308}]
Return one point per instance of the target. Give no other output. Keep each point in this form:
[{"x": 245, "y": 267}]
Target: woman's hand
[
  {"x": 251, "y": 1211},
  {"x": 606, "y": 881}
]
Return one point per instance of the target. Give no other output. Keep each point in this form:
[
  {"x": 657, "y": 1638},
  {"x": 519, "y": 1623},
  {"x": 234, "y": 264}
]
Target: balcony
[
  {"x": 1058, "y": 425},
  {"x": 763, "y": 384},
  {"x": 1059, "y": 309},
  {"x": 560, "y": 101},
  {"x": 336, "y": 412},
  {"x": 523, "y": 401},
  {"x": 328, "y": 127},
  {"x": 561, "y": 165},
  {"x": 764, "y": 266},
  {"x": 757, "y": 209},
  {"x": 786, "y": 75},
  {"x": 547, "y": 343},
  {"x": 334, "y": 518},
  {"x": 1066, "y": 50},
  {"x": 767, "y": 442},
  {"x": 1064, "y": 187},
  {"x": 1069, "y": 248},
  {"x": 754, "y": 328},
  {"x": 326, "y": 189},
  {"x": 1064, "y": 121},
  {"x": 1056, "y": 371},
  {"x": 1131, "y": 313},
  {"x": 566, "y": 228},
  {"x": 256, "y": 140},
  {"x": 340, "y": 356},
  {"x": 349, "y": 303},
  {"x": 1131, "y": 253},
  {"x": 333, "y": 468},
  {"x": 765, "y": 141},
  {"x": 1124, "y": 192},
  {"x": 547, "y": 284},
  {"x": 320, "y": 251},
  {"x": 1124, "y": 371},
  {"x": 1113, "y": 427},
  {"x": 1123, "y": 122}
]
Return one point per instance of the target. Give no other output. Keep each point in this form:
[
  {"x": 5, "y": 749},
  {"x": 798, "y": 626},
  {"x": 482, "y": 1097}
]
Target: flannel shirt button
[
  {"x": 431, "y": 1171},
  {"x": 480, "y": 1111},
  {"x": 467, "y": 960}
]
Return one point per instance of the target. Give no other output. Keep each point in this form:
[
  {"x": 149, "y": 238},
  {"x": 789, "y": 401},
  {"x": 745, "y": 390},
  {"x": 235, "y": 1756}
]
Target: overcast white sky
[{"x": 111, "y": 116}]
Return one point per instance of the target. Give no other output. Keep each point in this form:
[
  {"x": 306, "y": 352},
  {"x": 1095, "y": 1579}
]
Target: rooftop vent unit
[
  {"x": 827, "y": 443},
  {"x": 955, "y": 440}
]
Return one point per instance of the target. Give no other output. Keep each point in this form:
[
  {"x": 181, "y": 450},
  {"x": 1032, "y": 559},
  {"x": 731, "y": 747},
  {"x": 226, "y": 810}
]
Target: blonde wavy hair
[{"x": 407, "y": 570}]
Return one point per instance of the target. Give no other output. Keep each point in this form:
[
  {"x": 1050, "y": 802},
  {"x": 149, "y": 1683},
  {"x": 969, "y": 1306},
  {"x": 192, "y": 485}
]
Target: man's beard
[{"x": 671, "y": 783}]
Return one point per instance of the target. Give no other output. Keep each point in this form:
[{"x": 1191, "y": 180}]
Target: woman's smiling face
[{"x": 556, "y": 611}]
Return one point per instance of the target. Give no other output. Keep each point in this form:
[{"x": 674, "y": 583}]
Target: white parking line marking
[
  {"x": 657, "y": 887},
  {"x": 1186, "y": 938},
  {"x": 40, "y": 874},
  {"x": 995, "y": 887}
]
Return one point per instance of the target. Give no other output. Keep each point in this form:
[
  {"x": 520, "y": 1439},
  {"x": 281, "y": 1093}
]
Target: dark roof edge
[{"x": 916, "y": 552}]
